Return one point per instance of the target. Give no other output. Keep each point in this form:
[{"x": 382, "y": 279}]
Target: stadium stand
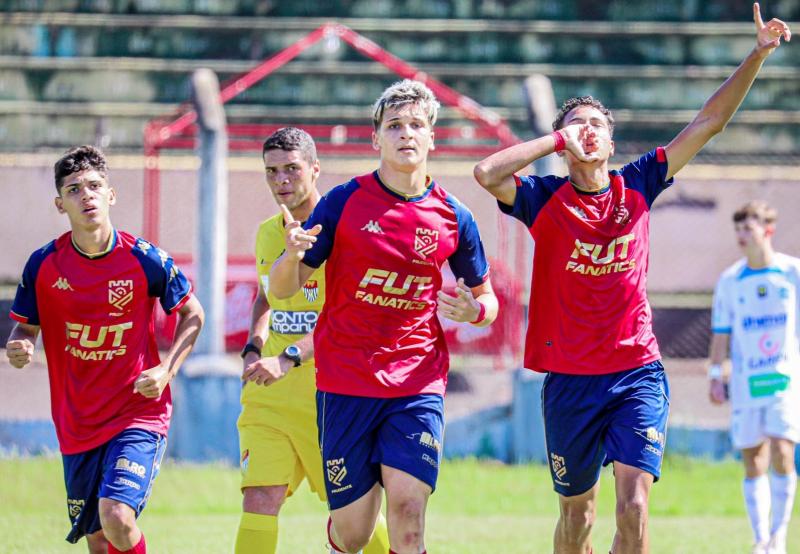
[{"x": 75, "y": 69}]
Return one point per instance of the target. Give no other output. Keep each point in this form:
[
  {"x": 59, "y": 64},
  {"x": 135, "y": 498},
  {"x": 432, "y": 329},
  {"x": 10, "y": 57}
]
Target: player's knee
[
  {"x": 264, "y": 500},
  {"x": 409, "y": 509},
  {"x": 97, "y": 543},
  {"x": 117, "y": 519},
  {"x": 355, "y": 540},
  {"x": 577, "y": 518},
  {"x": 632, "y": 513}
]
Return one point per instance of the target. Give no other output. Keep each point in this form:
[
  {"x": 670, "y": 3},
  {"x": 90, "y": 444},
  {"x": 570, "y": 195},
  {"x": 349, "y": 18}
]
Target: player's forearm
[
  {"x": 720, "y": 107},
  {"x": 284, "y": 277},
  {"x": 498, "y": 167},
  {"x": 306, "y": 346},
  {"x": 22, "y": 331},
  {"x": 190, "y": 323},
  {"x": 718, "y": 351},
  {"x": 489, "y": 301},
  {"x": 259, "y": 321}
]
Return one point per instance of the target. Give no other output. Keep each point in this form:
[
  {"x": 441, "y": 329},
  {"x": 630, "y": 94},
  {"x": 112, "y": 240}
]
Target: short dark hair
[
  {"x": 573, "y": 103},
  {"x": 757, "y": 209},
  {"x": 78, "y": 159},
  {"x": 291, "y": 138}
]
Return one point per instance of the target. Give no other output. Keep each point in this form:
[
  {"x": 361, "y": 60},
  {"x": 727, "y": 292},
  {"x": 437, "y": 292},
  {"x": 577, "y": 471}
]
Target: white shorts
[{"x": 752, "y": 426}]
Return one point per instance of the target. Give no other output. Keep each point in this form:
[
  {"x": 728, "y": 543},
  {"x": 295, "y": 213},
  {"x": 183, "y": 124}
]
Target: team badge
[
  {"x": 120, "y": 293},
  {"x": 336, "y": 471},
  {"x": 426, "y": 242},
  {"x": 311, "y": 290},
  {"x": 762, "y": 291},
  {"x": 578, "y": 211}
]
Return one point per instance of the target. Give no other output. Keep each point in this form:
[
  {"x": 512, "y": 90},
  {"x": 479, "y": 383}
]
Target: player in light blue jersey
[{"x": 755, "y": 317}]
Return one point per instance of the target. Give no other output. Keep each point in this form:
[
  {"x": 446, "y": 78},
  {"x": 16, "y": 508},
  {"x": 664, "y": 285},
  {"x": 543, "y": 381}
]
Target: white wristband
[{"x": 715, "y": 371}]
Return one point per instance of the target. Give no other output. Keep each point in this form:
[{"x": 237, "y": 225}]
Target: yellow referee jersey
[{"x": 289, "y": 320}]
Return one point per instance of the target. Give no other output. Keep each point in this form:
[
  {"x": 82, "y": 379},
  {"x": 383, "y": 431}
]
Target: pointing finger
[
  {"x": 757, "y": 16},
  {"x": 287, "y": 215}
]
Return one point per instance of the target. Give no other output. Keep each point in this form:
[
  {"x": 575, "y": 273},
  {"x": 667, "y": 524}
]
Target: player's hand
[
  {"x": 298, "y": 240},
  {"x": 716, "y": 391},
  {"x": 768, "y": 36},
  {"x": 266, "y": 371},
  {"x": 461, "y": 306},
  {"x": 582, "y": 141},
  {"x": 152, "y": 382},
  {"x": 19, "y": 352}
]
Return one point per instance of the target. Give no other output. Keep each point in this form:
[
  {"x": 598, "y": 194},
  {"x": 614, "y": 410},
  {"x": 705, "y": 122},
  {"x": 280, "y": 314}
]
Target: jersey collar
[{"x": 112, "y": 242}]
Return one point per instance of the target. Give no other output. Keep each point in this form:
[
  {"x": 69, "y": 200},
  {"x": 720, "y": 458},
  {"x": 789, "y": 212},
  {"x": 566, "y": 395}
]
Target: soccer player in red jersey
[
  {"x": 91, "y": 294},
  {"x": 605, "y": 396},
  {"x": 381, "y": 356}
]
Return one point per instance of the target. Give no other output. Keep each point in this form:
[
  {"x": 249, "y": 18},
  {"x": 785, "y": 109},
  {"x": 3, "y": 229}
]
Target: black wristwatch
[
  {"x": 292, "y": 353},
  {"x": 250, "y": 347}
]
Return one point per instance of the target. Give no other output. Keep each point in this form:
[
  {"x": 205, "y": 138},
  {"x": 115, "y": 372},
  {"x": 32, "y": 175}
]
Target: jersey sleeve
[
  {"x": 721, "y": 312},
  {"x": 327, "y": 213},
  {"x": 164, "y": 280},
  {"x": 533, "y": 192},
  {"x": 647, "y": 175},
  {"x": 25, "y": 309},
  {"x": 469, "y": 260}
]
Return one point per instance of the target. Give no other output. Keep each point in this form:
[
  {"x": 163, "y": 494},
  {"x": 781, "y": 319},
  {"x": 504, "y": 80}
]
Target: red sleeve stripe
[
  {"x": 517, "y": 181},
  {"x": 661, "y": 154},
  {"x": 16, "y": 317},
  {"x": 182, "y": 301}
]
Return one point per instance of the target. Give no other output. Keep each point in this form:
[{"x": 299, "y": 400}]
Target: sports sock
[
  {"x": 757, "y": 501},
  {"x": 258, "y": 534},
  {"x": 379, "y": 543},
  {"x": 783, "y": 488},
  {"x": 140, "y": 548}
]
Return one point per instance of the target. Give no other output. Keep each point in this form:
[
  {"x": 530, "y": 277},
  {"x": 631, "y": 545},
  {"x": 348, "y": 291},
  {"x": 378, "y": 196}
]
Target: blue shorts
[
  {"x": 358, "y": 434},
  {"x": 122, "y": 469},
  {"x": 592, "y": 420}
]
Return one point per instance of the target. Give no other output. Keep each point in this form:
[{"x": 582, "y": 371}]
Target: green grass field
[{"x": 478, "y": 508}]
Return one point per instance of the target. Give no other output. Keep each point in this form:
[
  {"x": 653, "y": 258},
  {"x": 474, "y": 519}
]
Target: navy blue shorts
[
  {"x": 358, "y": 434},
  {"x": 592, "y": 420},
  {"x": 123, "y": 469}
]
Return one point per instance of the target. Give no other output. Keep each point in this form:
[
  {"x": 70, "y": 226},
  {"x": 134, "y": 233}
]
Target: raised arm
[
  {"x": 288, "y": 273},
  {"x": 719, "y": 109},
  {"x": 496, "y": 173}
]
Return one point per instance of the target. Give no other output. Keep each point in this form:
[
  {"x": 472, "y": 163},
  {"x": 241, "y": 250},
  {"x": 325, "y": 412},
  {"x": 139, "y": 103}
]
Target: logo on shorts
[
  {"x": 336, "y": 471},
  {"x": 120, "y": 294},
  {"x": 559, "y": 465},
  {"x": 311, "y": 290},
  {"x": 245, "y": 460},
  {"x": 131, "y": 467},
  {"x": 656, "y": 440},
  {"x": 75, "y": 506},
  {"x": 426, "y": 439},
  {"x": 426, "y": 242}
]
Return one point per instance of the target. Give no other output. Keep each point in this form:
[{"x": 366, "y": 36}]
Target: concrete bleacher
[{"x": 113, "y": 64}]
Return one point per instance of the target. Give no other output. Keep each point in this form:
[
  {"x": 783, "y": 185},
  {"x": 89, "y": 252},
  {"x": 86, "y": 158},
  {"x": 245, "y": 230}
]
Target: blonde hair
[
  {"x": 758, "y": 209},
  {"x": 405, "y": 92}
]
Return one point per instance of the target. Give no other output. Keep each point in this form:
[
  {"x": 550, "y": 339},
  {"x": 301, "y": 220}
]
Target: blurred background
[{"x": 115, "y": 73}]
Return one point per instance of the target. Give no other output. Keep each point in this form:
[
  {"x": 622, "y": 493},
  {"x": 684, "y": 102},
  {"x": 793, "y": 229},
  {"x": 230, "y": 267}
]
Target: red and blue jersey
[
  {"x": 588, "y": 310},
  {"x": 96, "y": 319},
  {"x": 378, "y": 334}
]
